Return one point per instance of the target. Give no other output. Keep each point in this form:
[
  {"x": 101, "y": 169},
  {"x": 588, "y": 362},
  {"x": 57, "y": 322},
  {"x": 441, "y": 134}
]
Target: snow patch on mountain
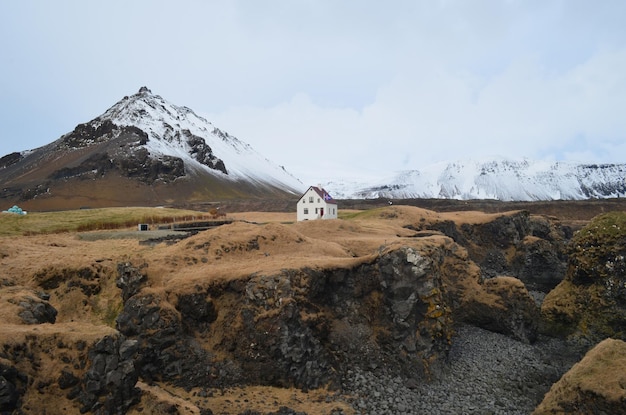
[
  {"x": 500, "y": 179},
  {"x": 171, "y": 129}
]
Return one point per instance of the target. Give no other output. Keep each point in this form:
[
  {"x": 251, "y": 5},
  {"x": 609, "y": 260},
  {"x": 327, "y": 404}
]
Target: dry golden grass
[
  {"x": 257, "y": 243},
  {"x": 268, "y": 244}
]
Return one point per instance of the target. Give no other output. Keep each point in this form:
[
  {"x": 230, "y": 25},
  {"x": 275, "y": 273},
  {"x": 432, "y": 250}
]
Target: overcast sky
[{"x": 331, "y": 88}]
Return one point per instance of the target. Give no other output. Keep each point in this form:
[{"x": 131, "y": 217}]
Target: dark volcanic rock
[
  {"x": 165, "y": 350},
  {"x": 531, "y": 248},
  {"x": 299, "y": 328},
  {"x": 31, "y": 306},
  {"x": 140, "y": 165},
  {"x": 12, "y": 387},
  {"x": 129, "y": 280},
  {"x": 201, "y": 151},
  {"x": 67, "y": 379},
  {"x": 86, "y": 134},
  {"x": 390, "y": 312},
  {"x": 540, "y": 263},
  {"x": 10, "y": 159},
  {"x": 197, "y": 310},
  {"x": 96, "y": 165},
  {"x": 108, "y": 386},
  {"x": 37, "y": 311}
]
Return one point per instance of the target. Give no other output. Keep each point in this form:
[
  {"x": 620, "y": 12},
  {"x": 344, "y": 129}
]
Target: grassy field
[{"x": 92, "y": 219}]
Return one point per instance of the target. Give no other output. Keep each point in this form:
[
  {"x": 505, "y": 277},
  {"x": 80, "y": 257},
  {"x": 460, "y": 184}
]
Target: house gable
[{"x": 316, "y": 203}]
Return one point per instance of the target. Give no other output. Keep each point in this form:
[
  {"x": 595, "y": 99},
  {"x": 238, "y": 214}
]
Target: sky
[{"x": 332, "y": 89}]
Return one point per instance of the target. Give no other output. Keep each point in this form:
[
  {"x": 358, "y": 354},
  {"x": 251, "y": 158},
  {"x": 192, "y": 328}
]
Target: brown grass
[{"x": 270, "y": 243}]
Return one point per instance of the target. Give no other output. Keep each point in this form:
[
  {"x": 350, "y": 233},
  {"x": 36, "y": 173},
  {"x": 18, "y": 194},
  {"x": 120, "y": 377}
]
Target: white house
[{"x": 316, "y": 203}]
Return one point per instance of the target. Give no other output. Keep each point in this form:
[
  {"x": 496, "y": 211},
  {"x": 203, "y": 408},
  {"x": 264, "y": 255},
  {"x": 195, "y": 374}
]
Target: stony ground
[{"x": 487, "y": 373}]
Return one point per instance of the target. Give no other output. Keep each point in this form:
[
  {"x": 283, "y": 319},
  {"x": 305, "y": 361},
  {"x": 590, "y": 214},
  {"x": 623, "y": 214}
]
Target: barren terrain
[{"x": 255, "y": 243}]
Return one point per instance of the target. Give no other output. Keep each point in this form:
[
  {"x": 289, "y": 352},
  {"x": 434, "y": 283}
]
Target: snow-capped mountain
[
  {"x": 178, "y": 132},
  {"x": 142, "y": 150},
  {"x": 500, "y": 179}
]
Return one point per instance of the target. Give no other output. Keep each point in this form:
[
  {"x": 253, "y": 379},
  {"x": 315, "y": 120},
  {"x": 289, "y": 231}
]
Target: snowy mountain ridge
[
  {"x": 177, "y": 131},
  {"x": 495, "y": 178}
]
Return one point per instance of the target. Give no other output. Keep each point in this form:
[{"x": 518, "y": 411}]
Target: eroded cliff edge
[{"x": 275, "y": 305}]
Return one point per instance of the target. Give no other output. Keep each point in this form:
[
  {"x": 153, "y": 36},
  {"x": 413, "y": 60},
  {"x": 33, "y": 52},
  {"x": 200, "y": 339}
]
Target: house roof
[{"x": 321, "y": 192}]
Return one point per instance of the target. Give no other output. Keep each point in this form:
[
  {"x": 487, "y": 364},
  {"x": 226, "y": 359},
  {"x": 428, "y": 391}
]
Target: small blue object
[{"x": 15, "y": 209}]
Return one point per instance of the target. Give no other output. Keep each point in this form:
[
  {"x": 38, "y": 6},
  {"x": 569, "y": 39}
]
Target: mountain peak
[
  {"x": 144, "y": 140},
  {"x": 177, "y": 131}
]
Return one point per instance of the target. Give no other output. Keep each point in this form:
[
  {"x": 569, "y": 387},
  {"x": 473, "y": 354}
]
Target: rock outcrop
[
  {"x": 299, "y": 328},
  {"x": 108, "y": 385},
  {"x": 528, "y": 247},
  {"x": 30, "y": 306},
  {"x": 66, "y": 366},
  {"x": 590, "y": 303},
  {"x": 595, "y": 385},
  {"x": 505, "y": 307}
]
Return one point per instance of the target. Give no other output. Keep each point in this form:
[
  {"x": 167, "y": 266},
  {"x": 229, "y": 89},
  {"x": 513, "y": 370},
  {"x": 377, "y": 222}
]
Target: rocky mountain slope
[
  {"x": 228, "y": 319},
  {"x": 500, "y": 179},
  {"x": 143, "y": 150}
]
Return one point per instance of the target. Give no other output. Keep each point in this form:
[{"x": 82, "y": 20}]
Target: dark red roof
[{"x": 321, "y": 193}]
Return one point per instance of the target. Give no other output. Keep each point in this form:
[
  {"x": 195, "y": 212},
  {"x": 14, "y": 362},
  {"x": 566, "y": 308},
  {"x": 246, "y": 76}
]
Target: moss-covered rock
[
  {"x": 504, "y": 306},
  {"x": 595, "y": 385},
  {"x": 598, "y": 251},
  {"x": 590, "y": 303}
]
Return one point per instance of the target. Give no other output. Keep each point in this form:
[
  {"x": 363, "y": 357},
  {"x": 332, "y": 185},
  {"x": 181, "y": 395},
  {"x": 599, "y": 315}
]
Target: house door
[{"x": 321, "y": 212}]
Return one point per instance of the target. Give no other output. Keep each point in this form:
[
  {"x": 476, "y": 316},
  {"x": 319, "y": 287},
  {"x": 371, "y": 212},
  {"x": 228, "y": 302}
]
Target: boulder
[
  {"x": 590, "y": 303},
  {"x": 540, "y": 263},
  {"x": 26, "y": 306},
  {"x": 506, "y": 307},
  {"x": 595, "y": 385},
  {"x": 36, "y": 311}
]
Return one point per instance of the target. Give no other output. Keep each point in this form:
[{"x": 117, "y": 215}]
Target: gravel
[{"x": 486, "y": 373}]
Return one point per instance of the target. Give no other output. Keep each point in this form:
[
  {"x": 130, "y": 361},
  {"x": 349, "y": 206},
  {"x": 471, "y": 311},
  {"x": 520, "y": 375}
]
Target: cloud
[
  {"x": 430, "y": 113},
  {"x": 332, "y": 88}
]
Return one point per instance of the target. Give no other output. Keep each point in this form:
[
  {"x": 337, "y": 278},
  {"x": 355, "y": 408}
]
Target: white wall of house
[{"x": 312, "y": 206}]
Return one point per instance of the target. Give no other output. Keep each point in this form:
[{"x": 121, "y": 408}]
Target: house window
[
  {"x": 306, "y": 211},
  {"x": 318, "y": 200},
  {"x": 316, "y": 211},
  {"x": 311, "y": 199},
  {"x": 303, "y": 200}
]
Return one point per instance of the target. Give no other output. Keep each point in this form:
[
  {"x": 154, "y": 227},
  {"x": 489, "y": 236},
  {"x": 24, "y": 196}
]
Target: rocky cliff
[
  {"x": 590, "y": 303},
  {"x": 170, "y": 328}
]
